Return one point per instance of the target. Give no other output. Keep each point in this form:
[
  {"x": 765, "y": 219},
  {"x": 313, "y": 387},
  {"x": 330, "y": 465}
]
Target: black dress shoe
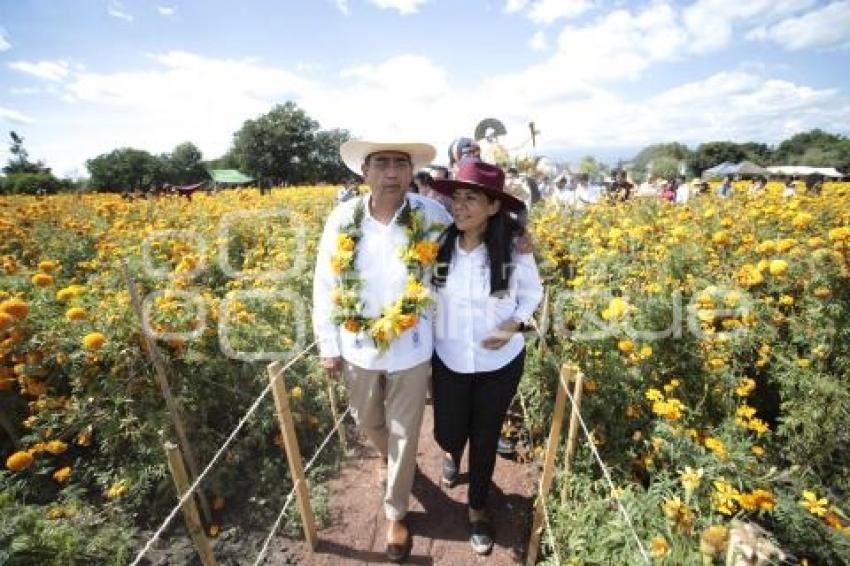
[
  {"x": 399, "y": 552},
  {"x": 480, "y": 537},
  {"x": 450, "y": 472}
]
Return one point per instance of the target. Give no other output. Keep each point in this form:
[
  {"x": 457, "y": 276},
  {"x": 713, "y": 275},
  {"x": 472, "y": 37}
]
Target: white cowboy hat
[{"x": 355, "y": 152}]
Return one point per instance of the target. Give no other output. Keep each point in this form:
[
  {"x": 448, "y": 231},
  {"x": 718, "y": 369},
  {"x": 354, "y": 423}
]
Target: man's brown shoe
[{"x": 399, "y": 542}]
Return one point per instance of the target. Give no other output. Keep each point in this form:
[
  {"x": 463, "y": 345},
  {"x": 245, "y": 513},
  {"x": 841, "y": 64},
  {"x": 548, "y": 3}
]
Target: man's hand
[
  {"x": 332, "y": 366},
  {"x": 524, "y": 245},
  {"x": 502, "y": 335}
]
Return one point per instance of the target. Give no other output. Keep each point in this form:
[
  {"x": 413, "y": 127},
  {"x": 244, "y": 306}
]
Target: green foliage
[
  {"x": 286, "y": 146},
  {"x": 33, "y": 183}
]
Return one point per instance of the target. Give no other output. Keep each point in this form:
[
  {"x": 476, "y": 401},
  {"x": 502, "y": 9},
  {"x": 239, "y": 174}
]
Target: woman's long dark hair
[{"x": 498, "y": 241}]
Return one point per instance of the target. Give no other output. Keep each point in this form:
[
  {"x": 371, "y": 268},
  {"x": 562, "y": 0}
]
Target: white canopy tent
[{"x": 803, "y": 170}]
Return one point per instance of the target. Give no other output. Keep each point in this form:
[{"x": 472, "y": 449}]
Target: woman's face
[{"x": 472, "y": 209}]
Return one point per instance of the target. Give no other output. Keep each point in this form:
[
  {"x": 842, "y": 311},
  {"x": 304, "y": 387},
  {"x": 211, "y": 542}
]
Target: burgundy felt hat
[{"x": 480, "y": 176}]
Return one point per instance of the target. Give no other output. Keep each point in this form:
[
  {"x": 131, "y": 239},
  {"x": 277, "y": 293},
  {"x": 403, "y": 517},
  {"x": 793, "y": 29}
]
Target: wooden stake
[
  {"x": 190, "y": 510},
  {"x": 572, "y": 435},
  {"x": 161, "y": 375},
  {"x": 293, "y": 452},
  {"x": 548, "y": 466},
  {"x": 341, "y": 429}
]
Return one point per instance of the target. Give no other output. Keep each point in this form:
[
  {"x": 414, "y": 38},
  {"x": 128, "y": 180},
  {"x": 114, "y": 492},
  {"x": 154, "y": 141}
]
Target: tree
[
  {"x": 19, "y": 161},
  {"x": 125, "y": 169},
  {"x": 324, "y": 163},
  {"x": 713, "y": 153},
  {"x": 184, "y": 166},
  {"x": 590, "y": 166},
  {"x": 658, "y": 156},
  {"x": 816, "y": 148},
  {"x": 277, "y": 145}
]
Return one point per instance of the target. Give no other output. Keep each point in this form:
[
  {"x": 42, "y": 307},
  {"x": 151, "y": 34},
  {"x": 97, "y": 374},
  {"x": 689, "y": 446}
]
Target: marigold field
[{"x": 715, "y": 338}]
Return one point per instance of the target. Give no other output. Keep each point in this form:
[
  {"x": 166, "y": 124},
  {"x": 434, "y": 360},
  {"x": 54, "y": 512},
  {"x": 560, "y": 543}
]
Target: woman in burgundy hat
[{"x": 486, "y": 289}]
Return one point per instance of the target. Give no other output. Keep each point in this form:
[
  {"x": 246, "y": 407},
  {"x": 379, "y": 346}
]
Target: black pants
[{"x": 471, "y": 407}]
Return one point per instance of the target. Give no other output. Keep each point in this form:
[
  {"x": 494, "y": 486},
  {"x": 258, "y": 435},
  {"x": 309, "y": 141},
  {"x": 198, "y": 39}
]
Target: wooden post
[
  {"x": 572, "y": 435},
  {"x": 161, "y": 375},
  {"x": 190, "y": 510},
  {"x": 543, "y": 326},
  {"x": 335, "y": 413},
  {"x": 548, "y": 467},
  {"x": 293, "y": 452}
]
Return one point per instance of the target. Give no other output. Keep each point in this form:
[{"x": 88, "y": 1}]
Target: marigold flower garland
[{"x": 419, "y": 254}]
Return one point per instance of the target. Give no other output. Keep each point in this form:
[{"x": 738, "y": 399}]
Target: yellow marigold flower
[
  {"x": 94, "y": 340},
  {"x": 778, "y": 267},
  {"x": 15, "y": 307},
  {"x": 296, "y": 392},
  {"x": 802, "y": 220},
  {"x": 724, "y": 497},
  {"x": 55, "y": 513},
  {"x": 749, "y": 275},
  {"x": 672, "y": 385},
  {"x": 745, "y": 387},
  {"x": 56, "y": 447},
  {"x": 840, "y": 234},
  {"x": 626, "y": 346},
  {"x": 721, "y": 237},
  {"x": 415, "y": 291},
  {"x": 673, "y": 507},
  {"x": 786, "y": 300},
  {"x": 653, "y": 394},
  {"x": 691, "y": 479},
  {"x": 745, "y": 411},
  {"x": 758, "y": 426},
  {"x": 62, "y": 474},
  {"x": 214, "y": 530},
  {"x": 815, "y": 506},
  {"x": 645, "y": 351},
  {"x": 42, "y": 280},
  {"x": 616, "y": 309},
  {"x": 344, "y": 243},
  {"x": 117, "y": 489},
  {"x": 804, "y": 362},
  {"x": 19, "y": 461},
  {"x": 758, "y": 451},
  {"x": 83, "y": 438},
  {"x": 716, "y": 446},
  {"x": 65, "y": 294},
  {"x": 713, "y": 540},
  {"x": 658, "y": 547},
  {"x": 823, "y": 292},
  {"x": 75, "y": 313}
]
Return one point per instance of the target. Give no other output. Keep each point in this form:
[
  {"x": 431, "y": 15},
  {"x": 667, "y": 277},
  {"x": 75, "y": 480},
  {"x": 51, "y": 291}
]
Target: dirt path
[{"x": 437, "y": 518}]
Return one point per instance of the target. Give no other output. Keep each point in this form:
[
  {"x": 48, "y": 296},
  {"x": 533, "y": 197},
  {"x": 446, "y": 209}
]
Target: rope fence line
[
  {"x": 186, "y": 496},
  {"x": 606, "y": 474},
  {"x": 289, "y": 498}
]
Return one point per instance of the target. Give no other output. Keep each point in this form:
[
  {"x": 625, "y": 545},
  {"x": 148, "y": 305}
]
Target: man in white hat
[{"x": 371, "y": 313}]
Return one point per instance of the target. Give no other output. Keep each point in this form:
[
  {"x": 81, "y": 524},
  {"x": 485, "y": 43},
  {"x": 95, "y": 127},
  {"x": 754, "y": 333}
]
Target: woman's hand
[{"x": 502, "y": 335}]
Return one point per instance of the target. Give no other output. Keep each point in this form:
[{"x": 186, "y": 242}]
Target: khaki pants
[{"x": 388, "y": 407}]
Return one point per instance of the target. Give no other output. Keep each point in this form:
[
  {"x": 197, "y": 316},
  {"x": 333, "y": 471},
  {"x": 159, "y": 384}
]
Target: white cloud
[
  {"x": 712, "y": 24},
  {"x": 13, "y": 116},
  {"x": 545, "y": 12},
  {"x": 4, "y": 41},
  {"x": 25, "y": 90},
  {"x": 116, "y": 9},
  {"x": 512, "y": 6},
  {"x": 167, "y": 11},
  {"x": 828, "y": 26},
  {"x": 538, "y": 41},
  {"x": 402, "y": 6},
  {"x": 342, "y": 6},
  {"x": 48, "y": 70}
]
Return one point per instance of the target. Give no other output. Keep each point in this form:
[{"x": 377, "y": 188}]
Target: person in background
[
  {"x": 486, "y": 290},
  {"x": 425, "y": 183},
  {"x": 460, "y": 149},
  {"x": 725, "y": 188},
  {"x": 758, "y": 186},
  {"x": 790, "y": 189},
  {"x": 683, "y": 191}
]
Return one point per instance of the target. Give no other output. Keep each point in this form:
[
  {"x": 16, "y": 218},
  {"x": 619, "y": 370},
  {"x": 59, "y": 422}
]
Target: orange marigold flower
[
  {"x": 94, "y": 340},
  {"x": 62, "y": 474},
  {"x": 75, "y": 313},
  {"x": 15, "y": 307},
  {"x": 42, "y": 280},
  {"x": 6, "y": 321},
  {"x": 426, "y": 252},
  {"x": 351, "y": 325},
  {"x": 19, "y": 461},
  {"x": 56, "y": 447}
]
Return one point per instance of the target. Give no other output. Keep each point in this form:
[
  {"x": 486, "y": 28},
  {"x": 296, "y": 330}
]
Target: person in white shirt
[
  {"x": 486, "y": 290},
  {"x": 372, "y": 311}
]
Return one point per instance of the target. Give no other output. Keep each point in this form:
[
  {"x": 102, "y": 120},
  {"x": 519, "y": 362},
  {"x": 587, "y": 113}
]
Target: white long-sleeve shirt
[
  {"x": 384, "y": 276},
  {"x": 467, "y": 313}
]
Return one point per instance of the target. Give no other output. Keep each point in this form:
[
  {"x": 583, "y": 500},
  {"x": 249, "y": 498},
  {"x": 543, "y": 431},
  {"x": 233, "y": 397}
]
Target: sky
[{"x": 80, "y": 78}]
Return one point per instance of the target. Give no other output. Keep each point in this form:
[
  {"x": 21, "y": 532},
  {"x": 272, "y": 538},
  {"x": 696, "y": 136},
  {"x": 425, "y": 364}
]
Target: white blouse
[{"x": 467, "y": 313}]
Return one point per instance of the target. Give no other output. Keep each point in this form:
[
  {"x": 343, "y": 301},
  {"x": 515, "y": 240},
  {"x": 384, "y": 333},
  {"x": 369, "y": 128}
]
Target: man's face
[{"x": 388, "y": 172}]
